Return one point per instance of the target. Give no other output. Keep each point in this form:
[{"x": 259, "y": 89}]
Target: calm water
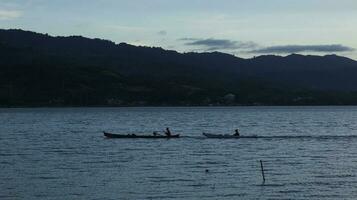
[{"x": 60, "y": 153}]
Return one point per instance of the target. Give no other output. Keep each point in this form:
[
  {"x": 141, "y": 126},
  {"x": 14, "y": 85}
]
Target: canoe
[
  {"x": 227, "y": 136},
  {"x": 112, "y": 135}
]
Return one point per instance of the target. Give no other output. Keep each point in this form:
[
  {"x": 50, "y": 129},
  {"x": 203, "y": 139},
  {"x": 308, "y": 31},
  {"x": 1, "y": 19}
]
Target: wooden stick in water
[{"x": 262, "y": 168}]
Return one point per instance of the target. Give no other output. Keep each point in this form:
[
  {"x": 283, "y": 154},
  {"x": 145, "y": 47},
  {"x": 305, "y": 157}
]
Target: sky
[{"x": 240, "y": 27}]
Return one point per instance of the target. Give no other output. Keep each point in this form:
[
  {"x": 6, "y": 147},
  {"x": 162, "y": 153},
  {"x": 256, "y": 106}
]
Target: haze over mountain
[{"x": 41, "y": 70}]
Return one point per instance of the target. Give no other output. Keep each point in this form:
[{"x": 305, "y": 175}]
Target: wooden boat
[
  {"x": 112, "y": 135},
  {"x": 227, "y": 136}
]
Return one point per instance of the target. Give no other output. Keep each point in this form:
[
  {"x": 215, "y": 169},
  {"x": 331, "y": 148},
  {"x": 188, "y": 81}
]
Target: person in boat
[
  {"x": 155, "y": 133},
  {"x": 168, "y": 132},
  {"x": 236, "y": 133}
]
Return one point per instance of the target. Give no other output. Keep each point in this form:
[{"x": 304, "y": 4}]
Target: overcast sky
[{"x": 241, "y": 27}]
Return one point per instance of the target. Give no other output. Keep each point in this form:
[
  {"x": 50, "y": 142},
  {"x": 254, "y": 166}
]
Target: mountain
[{"x": 41, "y": 70}]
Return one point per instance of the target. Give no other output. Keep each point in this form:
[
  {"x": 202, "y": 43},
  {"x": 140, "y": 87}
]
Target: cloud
[
  {"x": 9, "y": 14},
  {"x": 303, "y": 48},
  {"x": 162, "y": 33},
  {"x": 212, "y": 44}
]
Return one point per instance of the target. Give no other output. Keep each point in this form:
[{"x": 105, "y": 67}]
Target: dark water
[{"x": 308, "y": 153}]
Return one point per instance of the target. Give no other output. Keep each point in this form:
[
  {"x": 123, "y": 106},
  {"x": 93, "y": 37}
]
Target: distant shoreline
[
  {"x": 177, "y": 106},
  {"x": 81, "y": 72}
]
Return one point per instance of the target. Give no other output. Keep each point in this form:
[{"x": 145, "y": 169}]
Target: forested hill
[{"x": 41, "y": 70}]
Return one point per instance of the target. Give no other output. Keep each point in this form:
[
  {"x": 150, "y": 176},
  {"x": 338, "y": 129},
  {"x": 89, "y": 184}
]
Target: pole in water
[{"x": 262, "y": 168}]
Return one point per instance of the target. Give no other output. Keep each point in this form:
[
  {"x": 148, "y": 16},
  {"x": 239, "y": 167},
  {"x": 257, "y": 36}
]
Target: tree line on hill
[{"x": 41, "y": 70}]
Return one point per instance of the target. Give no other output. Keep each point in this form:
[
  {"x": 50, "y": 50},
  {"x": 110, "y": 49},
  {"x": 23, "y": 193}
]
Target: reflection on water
[{"x": 60, "y": 153}]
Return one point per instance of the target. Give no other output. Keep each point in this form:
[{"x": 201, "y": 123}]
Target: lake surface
[{"x": 60, "y": 153}]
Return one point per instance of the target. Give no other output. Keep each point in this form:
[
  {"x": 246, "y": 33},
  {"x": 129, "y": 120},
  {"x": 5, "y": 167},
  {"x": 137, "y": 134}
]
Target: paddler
[
  {"x": 168, "y": 132},
  {"x": 236, "y": 133}
]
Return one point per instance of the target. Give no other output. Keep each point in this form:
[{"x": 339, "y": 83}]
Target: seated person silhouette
[
  {"x": 168, "y": 132},
  {"x": 236, "y": 133}
]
